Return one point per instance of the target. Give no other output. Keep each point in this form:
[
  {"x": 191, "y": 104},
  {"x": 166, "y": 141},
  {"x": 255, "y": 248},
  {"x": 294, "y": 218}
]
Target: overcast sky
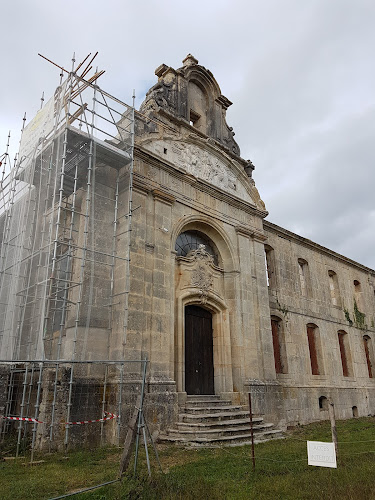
[{"x": 300, "y": 74}]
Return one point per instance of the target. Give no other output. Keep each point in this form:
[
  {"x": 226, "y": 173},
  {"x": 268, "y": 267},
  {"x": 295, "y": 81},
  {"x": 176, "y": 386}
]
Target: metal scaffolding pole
[
  {"x": 24, "y": 385},
  {"x": 80, "y": 293},
  {"x": 129, "y": 230},
  {"x": 51, "y": 256}
]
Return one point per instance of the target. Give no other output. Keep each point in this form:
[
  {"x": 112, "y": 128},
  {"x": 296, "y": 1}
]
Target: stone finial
[{"x": 189, "y": 60}]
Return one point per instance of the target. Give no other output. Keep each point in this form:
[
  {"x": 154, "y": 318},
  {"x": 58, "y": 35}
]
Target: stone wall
[{"x": 346, "y": 305}]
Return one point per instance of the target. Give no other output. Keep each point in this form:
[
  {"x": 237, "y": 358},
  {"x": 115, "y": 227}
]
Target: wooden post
[
  {"x": 331, "y": 411},
  {"x": 129, "y": 440},
  {"x": 252, "y": 432}
]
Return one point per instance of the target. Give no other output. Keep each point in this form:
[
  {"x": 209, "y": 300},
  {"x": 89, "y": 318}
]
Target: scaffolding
[
  {"x": 65, "y": 224},
  {"x": 65, "y": 228}
]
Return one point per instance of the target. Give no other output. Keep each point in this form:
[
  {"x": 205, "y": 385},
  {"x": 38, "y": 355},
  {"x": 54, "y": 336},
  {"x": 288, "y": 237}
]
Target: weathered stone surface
[{"x": 190, "y": 180}]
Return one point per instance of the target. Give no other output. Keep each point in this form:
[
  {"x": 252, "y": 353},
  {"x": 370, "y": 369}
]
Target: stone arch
[
  {"x": 223, "y": 379},
  {"x": 211, "y": 297},
  {"x": 315, "y": 349},
  {"x": 202, "y": 78},
  {"x": 198, "y": 102},
  {"x": 214, "y": 231},
  {"x": 279, "y": 344}
]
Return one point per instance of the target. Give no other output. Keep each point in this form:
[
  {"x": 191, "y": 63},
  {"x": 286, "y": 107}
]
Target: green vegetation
[
  {"x": 359, "y": 317},
  {"x": 281, "y": 471},
  {"x": 347, "y": 317}
]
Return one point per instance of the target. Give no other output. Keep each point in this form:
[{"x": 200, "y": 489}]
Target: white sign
[{"x": 321, "y": 454}]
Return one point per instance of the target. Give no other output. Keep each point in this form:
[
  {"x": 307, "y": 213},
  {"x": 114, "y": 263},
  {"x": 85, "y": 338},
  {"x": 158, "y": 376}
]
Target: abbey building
[
  {"x": 224, "y": 301},
  {"x": 153, "y": 242}
]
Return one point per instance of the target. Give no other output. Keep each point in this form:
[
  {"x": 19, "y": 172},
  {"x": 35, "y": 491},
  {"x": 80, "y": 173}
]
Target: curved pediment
[
  {"x": 208, "y": 164},
  {"x": 191, "y": 94}
]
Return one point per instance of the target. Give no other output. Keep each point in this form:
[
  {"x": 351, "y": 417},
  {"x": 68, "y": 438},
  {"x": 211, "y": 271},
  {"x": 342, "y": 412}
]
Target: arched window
[
  {"x": 270, "y": 266},
  {"x": 345, "y": 353},
  {"x": 197, "y": 99},
  {"x": 304, "y": 277},
  {"x": 190, "y": 240},
  {"x": 358, "y": 294},
  {"x": 315, "y": 350},
  {"x": 279, "y": 348},
  {"x": 367, "y": 344},
  {"x": 334, "y": 288}
]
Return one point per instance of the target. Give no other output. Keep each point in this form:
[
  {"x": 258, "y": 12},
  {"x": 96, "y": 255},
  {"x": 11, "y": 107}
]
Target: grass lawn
[{"x": 281, "y": 471}]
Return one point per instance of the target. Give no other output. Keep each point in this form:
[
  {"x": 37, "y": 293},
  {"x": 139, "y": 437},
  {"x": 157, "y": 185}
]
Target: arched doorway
[{"x": 199, "y": 363}]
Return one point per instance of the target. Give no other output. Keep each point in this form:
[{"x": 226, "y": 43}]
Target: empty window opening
[
  {"x": 367, "y": 344},
  {"x": 323, "y": 403},
  {"x": 270, "y": 266},
  {"x": 358, "y": 294},
  {"x": 304, "y": 277},
  {"x": 198, "y": 105},
  {"x": 279, "y": 347},
  {"x": 314, "y": 349},
  {"x": 165, "y": 151},
  {"x": 345, "y": 353},
  {"x": 355, "y": 411},
  {"x": 334, "y": 288}
]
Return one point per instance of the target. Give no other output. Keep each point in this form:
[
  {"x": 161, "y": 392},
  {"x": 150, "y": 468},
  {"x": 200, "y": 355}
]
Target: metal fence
[{"x": 60, "y": 405}]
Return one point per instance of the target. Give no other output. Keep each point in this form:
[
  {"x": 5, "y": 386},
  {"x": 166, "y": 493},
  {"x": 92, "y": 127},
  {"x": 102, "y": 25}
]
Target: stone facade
[
  {"x": 304, "y": 291},
  {"x": 294, "y": 332},
  {"x": 189, "y": 177}
]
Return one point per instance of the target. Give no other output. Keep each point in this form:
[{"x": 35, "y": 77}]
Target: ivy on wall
[
  {"x": 347, "y": 317},
  {"x": 359, "y": 317}
]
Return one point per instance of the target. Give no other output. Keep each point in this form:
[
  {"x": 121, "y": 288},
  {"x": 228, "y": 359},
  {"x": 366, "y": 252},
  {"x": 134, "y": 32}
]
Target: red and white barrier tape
[
  {"x": 103, "y": 419},
  {"x": 23, "y": 419},
  {"x": 110, "y": 417}
]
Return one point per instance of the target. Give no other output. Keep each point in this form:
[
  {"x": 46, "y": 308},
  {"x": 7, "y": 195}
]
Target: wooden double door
[{"x": 199, "y": 363}]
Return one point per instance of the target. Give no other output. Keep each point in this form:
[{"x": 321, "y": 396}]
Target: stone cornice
[
  {"x": 141, "y": 187},
  {"x": 163, "y": 196},
  {"x": 251, "y": 233},
  {"x": 285, "y": 233},
  {"x": 200, "y": 184}
]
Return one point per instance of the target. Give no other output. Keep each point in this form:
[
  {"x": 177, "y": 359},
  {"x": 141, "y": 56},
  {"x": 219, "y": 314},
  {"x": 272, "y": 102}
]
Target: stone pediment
[{"x": 205, "y": 165}]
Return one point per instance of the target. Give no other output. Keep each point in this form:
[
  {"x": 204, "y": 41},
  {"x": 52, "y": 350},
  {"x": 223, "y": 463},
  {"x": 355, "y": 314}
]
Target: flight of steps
[{"x": 209, "y": 421}]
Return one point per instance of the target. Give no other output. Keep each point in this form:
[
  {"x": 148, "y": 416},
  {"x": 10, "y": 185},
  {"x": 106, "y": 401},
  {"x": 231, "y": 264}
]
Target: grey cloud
[{"x": 300, "y": 75}]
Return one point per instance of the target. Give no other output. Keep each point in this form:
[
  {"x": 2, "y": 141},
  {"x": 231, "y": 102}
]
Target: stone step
[
  {"x": 219, "y": 424},
  {"x": 238, "y": 440},
  {"x": 208, "y": 421},
  {"x": 200, "y": 397},
  {"x": 219, "y": 408},
  {"x": 207, "y": 402},
  {"x": 216, "y": 433},
  {"x": 212, "y": 417}
]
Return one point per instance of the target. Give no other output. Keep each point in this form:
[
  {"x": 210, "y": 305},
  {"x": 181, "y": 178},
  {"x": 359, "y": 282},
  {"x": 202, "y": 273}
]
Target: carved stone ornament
[
  {"x": 201, "y": 276},
  {"x": 203, "y": 165}
]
